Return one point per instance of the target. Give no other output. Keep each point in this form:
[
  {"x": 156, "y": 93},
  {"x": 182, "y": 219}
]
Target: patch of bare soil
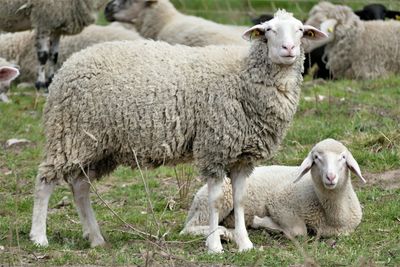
[{"x": 387, "y": 180}]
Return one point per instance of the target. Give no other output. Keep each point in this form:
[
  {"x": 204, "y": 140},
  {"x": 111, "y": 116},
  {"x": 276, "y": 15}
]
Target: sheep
[
  {"x": 221, "y": 106},
  {"x": 19, "y": 46},
  {"x": 8, "y": 72},
  {"x": 323, "y": 201},
  {"x": 50, "y": 19},
  {"x": 377, "y": 11},
  {"x": 359, "y": 49},
  {"x": 159, "y": 20}
]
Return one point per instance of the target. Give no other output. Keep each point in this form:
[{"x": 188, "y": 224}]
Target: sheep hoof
[
  {"x": 243, "y": 243},
  {"x": 214, "y": 244},
  {"x": 40, "y": 241},
  {"x": 97, "y": 242}
]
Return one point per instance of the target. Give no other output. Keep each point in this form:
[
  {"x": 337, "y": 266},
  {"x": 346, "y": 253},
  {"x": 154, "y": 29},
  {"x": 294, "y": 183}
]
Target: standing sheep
[
  {"x": 8, "y": 72},
  {"x": 359, "y": 49},
  {"x": 50, "y": 19},
  {"x": 159, "y": 20},
  {"x": 222, "y": 106},
  {"x": 19, "y": 46},
  {"x": 324, "y": 200}
]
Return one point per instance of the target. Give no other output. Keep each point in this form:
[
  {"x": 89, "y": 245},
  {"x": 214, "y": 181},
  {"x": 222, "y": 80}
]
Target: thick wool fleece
[
  {"x": 163, "y": 22},
  {"x": 271, "y": 192},
  {"x": 224, "y": 107},
  {"x": 19, "y": 47},
  {"x": 361, "y": 49}
]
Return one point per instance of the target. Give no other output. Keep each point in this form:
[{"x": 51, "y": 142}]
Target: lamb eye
[
  {"x": 268, "y": 29},
  {"x": 316, "y": 157},
  {"x": 343, "y": 157}
]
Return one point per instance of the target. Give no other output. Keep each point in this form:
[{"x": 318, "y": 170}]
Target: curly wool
[
  {"x": 220, "y": 106},
  {"x": 361, "y": 49},
  {"x": 163, "y": 22},
  {"x": 19, "y": 47},
  {"x": 63, "y": 17}
]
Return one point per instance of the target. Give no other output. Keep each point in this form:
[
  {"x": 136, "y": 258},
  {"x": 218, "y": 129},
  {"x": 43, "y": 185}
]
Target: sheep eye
[
  {"x": 268, "y": 29},
  {"x": 316, "y": 157},
  {"x": 343, "y": 157}
]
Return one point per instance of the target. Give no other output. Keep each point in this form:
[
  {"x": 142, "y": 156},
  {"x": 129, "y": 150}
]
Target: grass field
[{"x": 365, "y": 115}]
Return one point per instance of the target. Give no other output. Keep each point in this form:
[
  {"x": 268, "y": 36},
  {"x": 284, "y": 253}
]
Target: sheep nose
[
  {"x": 288, "y": 47},
  {"x": 331, "y": 176}
]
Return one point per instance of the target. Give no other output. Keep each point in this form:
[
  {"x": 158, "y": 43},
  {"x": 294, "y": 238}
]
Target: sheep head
[
  {"x": 126, "y": 10},
  {"x": 283, "y": 35}
]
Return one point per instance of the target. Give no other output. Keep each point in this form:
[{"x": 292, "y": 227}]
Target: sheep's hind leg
[
  {"x": 53, "y": 56},
  {"x": 239, "y": 190},
  {"x": 43, "y": 192},
  {"x": 214, "y": 193},
  {"x": 42, "y": 49},
  {"x": 265, "y": 222},
  {"x": 204, "y": 230},
  {"x": 81, "y": 189}
]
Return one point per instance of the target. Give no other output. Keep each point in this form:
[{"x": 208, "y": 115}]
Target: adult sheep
[
  {"x": 50, "y": 19},
  {"x": 19, "y": 46},
  {"x": 159, "y": 20},
  {"x": 359, "y": 49},
  {"x": 8, "y": 72},
  {"x": 222, "y": 106},
  {"x": 323, "y": 201}
]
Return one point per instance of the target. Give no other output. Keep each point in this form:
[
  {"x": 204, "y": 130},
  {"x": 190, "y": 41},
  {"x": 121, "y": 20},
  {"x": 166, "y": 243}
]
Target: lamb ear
[
  {"x": 313, "y": 33},
  {"x": 353, "y": 166},
  {"x": 8, "y": 74},
  {"x": 305, "y": 167},
  {"x": 254, "y": 32}
]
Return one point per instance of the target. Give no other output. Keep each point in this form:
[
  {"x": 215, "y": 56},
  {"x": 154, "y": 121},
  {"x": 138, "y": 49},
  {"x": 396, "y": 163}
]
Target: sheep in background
[
  {"x": 19, "y": 47},
  {"x": 222, "y": 106},
  {"x": 50, "y": 19},
  {"x": 323, "y": 200},
  {"x": 359, "y": 49},
  {"x": 159, "y": 20},
  {"x": 8, "y": 72},
  {"x": 377, "y": 11}
]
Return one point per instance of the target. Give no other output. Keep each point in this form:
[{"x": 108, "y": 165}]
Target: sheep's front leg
[
  {"x": 42, "y": 49},
  {"x": 214, "y": 193},
  {"x": 43, "y": 192},
  {"x": 81, "y": 190},
  {"x": 53, "y": 56},
  {"x": 239, "y": 187}
]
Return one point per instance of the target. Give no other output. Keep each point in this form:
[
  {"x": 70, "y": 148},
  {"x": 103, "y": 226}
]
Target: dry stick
[{"x": 140, "y": 233}]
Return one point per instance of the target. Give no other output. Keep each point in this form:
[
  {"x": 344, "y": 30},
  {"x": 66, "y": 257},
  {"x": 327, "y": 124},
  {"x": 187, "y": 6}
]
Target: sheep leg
[
  {"x": 43, "y": 192},
  {"x": 239, "y": 191},
  {"x": 204, "y": 230},
  {"x": 81, "y": 190},
  {"x": 53, "y": 56},
  {"x": 214, "y": 193},
  {"x": 265, "y": 222},
  {"x": 42, "y": 48}
]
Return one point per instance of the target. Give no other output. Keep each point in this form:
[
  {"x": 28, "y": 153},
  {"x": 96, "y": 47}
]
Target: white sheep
[
  {"x": 359, "y": 49},
  {"x": 222, "y": 106},
  {"x": 50, "y": 19},
  {"x": 8, "y": 72},
  {"x": 19, "y": 47},
  {"x": 323, "y": 200},
  {"x": 159, "y": 20}
]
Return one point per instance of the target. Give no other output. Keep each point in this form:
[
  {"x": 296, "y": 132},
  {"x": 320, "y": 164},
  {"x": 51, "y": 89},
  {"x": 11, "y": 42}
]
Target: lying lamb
[
  {"x": 159, "y": 20},
  {"x": 323, "y": 200},
  {"x": 8, "y": 72},
  {"x": 50, "y": 19},
  {"x": 359, "y": 49},
  {"x": 222, "y": 106}
]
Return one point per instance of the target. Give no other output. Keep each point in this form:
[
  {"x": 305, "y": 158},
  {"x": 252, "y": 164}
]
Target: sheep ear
[
  {"x": 313, "y": 33},
  {"x": 392, "y": 14},
  {"x": 8, "y": 74},
  {"x": 255, "y": 32},
  {"x": 150, "y": 2},
  {"x": 305, "y": 167},
  {"x": 353, "y": 166}
]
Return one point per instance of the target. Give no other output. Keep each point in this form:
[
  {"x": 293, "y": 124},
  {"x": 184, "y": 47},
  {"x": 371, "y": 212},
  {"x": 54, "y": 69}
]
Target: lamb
[
  {"x": 19, "y": 46},
  {"x": 159, "y": 20},
  {"x": 8, "y": 72},
  {"x": 50, "y": 19},
  {"x": 359, "y": 49},
  {"x": 222, "y": 106},
  {"x": 323, "y": 201}
]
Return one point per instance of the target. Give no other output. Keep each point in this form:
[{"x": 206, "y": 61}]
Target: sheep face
[
  {"x": 126, "y": 10},
  {"x": 283, "y": 36},
  {"x": 329, "y": 162}
]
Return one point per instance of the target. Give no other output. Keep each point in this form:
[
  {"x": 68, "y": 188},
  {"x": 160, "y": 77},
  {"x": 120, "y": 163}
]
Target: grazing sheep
[
  {"x": 159, "y": 20},
  {"x": 50, "y": 19},
  {"x": 323, "y": 201},
  {"x": 222, "y": 106},
  {"x": 19, "y": 46},
  {"x": 8, "y": 72},
  {"x": 359, "y": 49}
]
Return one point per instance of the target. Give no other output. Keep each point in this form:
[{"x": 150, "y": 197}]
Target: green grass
[{"x": 364, "y": 115}]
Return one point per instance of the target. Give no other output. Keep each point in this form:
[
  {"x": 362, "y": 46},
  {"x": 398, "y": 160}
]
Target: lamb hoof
[
  {"x": 97, "y": 242},
  {"x": 244, "y": 243},
  {"x": 214, "y": 245},
  {"x": 40, "y": 241}
]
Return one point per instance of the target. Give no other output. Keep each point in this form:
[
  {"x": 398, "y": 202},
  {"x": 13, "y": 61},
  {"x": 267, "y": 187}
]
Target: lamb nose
[
  {"x": 331, "y": 176},
  {"x": 288, "y": 47}
]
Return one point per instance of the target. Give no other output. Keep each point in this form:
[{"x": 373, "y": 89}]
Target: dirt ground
[{"x": 389, "y": 180}]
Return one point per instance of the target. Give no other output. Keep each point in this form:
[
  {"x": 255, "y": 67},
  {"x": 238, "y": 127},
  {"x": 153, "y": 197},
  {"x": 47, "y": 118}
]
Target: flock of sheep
[{"x": 222, "y": 96}]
